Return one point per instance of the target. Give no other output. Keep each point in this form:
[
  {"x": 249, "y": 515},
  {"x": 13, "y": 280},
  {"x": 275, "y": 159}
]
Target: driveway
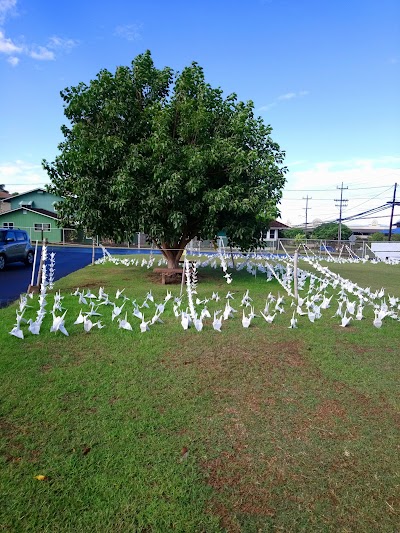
[{"x": 15, "y": 279}]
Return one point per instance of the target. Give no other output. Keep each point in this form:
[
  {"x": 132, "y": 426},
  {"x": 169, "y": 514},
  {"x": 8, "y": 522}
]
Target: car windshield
[{"x": 2, "y": 235}]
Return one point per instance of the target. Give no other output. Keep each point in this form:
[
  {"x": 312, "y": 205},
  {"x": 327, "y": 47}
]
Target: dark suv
[{"x": 15, "y": 246}]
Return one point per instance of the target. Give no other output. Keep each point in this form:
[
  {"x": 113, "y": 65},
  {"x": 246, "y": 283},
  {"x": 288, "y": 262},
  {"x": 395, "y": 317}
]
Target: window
[
  {"x": 272, "y": 234},
  {"x": 21, "y": 235},
  {"x": 42, "y": 227},
  {"x": 9, "y": 225}
]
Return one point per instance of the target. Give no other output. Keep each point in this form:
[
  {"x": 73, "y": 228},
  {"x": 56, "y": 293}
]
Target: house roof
[
  {"x": 278, "y": 225},
  {"x": 4, "y": 195},
  {"x": 395, "y": 231},
  {"x": 23, "y": 193},
  {"x": 43, "y": 212}
]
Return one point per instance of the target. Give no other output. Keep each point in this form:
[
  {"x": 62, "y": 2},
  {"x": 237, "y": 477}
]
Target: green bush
[
  {"x": 330, "y": 231},
  {"x": 377, "y": 237},
  {"x": 294, "y": 233}
]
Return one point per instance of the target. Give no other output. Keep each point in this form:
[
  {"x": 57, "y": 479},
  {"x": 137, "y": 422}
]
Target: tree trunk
[
  {"x": 172, "y": 258},
  {"x": 173, "y": 253}
]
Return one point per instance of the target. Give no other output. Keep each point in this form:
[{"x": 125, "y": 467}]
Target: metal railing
[
  {"x": 310, "y": 247},
  {"x": 317, "y": 247}
]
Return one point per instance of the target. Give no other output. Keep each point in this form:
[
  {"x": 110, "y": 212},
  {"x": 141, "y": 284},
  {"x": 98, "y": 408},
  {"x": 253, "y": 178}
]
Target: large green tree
[
  {"x": 330, "y": 231},
  {"x": 293, "y": 233},
  {"x": 166, "y": 154}
]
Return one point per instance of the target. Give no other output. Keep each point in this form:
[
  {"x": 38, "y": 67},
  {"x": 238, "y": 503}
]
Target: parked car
[
  {"x": 327, "y": 249},
  {"x": 15, "y": 246}
]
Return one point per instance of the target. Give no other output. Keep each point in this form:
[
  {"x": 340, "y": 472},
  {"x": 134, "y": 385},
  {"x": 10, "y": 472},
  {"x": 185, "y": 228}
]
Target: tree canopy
[
  {"x": 166, "y": 154},
  {"x": 381, "y": 237},
  {"x": 330, "y": 231},
  {"x": 293, "y": 233}
]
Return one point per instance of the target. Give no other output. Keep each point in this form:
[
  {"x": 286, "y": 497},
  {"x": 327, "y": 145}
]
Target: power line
[
  {"x": 369, "y": 199},
  {"x": 371, "y": 218},
  {"x": 366, "y": 198},
  {"x": 368, "y": 212},
  {"x": 353, "y": 189}
]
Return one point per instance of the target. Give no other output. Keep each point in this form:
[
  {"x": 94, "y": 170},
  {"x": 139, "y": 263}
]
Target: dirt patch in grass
[
  {"x": 155, "y": 278},
  {"x": 374, "y": 407},
  {"x": 176, "y": 279},
  {"x": 238, "y": 474},
  {"x": 219, "y": 509},
  {"x": 329, "y": 409},
  {"x": 290, "y": 352},
  {"x": 326, "y": 421},
  {"x": 94, "y": 282},
  {"x": 229, "y": 472},
  {"x": 346, "y": 346},
  {"x": 7, "y": 430},
  {"x": 114, "y": 399},
  {"x": 13, "y": 449},
  {"x": 89, "y": 285},
  {"x": 245, "y": 384},
  {"x": 280, "y": 431}
]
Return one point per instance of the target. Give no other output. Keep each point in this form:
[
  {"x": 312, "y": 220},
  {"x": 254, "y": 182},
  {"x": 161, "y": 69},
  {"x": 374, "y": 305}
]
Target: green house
[
  {"x": 37, "y": 198},
  {"x": 34, "y": 211}
]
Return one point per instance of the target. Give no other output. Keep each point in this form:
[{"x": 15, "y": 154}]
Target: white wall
[
  {"x": 267, "y": 236},
  {"x": 384, "y": 250}
]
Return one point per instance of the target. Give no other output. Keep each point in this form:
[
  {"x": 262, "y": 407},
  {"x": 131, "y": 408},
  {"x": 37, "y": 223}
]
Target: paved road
[{"x": 16, "y": 278}]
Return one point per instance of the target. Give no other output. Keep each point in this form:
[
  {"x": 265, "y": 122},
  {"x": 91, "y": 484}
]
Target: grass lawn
[{"x": 259, "y": 429}]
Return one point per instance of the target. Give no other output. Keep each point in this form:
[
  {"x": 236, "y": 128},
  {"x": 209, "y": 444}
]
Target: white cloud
[
  {"x": 41, "y": 53},
  {"x": 57, "y": 43},
  {"x": 7, "y": 46},
  {"x": 287, "y": 96},
  {"x": 19, "y": 176},
  {"x": 290, "y": 96},
  {"x": 353, "y": 173},
  {"x": 37, "y": 52},
  {"x": 267, "y": 107},
  {"x": 47, "y": 53},
  {"x": 369, "y": 181},
  {"x": 7, "y": 7},
  {"x": 131, "y": 32},
  {"x": 13, "y": 60},
  {"x": 282, "y": 98}
]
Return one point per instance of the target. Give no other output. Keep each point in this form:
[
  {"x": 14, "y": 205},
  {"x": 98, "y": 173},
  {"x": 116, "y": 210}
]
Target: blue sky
[{"x": 325, "y": 75}]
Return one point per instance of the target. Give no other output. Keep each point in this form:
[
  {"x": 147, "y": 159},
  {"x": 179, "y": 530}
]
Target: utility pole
[
  {"x": 391, "y": 214},
  {"x": 306, "y": 209},
  {"x": 340, "y": 205}
]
